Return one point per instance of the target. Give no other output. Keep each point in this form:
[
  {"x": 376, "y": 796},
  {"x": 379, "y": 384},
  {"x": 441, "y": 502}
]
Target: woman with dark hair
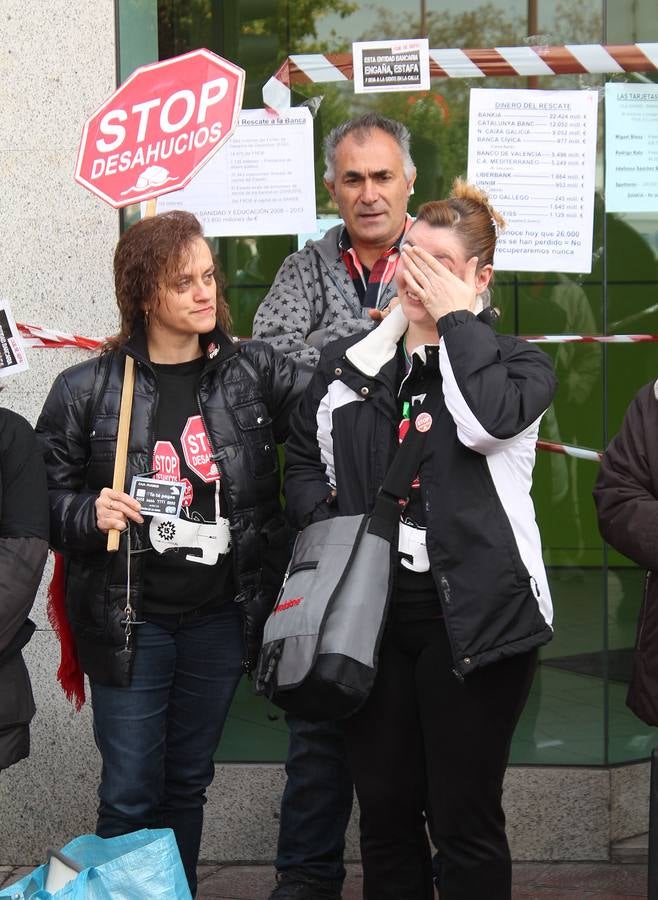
[
  {"x": 470, "y": 602},
  {"x": 164, "y": 627}
]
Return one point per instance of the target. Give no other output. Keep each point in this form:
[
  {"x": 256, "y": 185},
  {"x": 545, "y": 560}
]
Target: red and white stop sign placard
[
  {"x": 159, "y": 128},
  {"x": 196, "y": 450}
]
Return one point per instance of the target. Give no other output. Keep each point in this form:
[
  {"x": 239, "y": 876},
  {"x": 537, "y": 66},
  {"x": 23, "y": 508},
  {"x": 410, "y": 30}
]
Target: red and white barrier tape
[
  {"x": 568, "y": 450},
  {"x": 35, "y": 336},
  {"x": 570, "y": 59},
  {"x": 589, "y": 338}
]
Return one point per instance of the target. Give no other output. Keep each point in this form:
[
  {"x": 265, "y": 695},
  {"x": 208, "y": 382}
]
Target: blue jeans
[
  {"x": 157, "y": 737},
  {"x": 317, "y": 801}
]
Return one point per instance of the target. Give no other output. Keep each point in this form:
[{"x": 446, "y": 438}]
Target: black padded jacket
[{"x": 245, "y": 395}]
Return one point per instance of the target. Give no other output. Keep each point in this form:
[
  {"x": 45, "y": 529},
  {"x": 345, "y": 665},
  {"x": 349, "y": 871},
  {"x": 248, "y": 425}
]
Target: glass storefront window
[{"x": 576, "y": 713}]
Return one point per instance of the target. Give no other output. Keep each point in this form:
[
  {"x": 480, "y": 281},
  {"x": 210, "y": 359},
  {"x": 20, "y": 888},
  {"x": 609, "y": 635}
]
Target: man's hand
[{"x": 378, "y": 315}]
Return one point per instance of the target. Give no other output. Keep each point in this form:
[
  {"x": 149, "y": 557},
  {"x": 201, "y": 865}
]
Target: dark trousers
[
  {"x": 427, "y": 745},
  {"x": 317, "y": 801},
  {"x": 157, "y": 737}
]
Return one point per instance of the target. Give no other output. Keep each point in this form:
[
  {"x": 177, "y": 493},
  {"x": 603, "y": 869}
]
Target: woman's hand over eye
[{"x": 439, "y": 289}]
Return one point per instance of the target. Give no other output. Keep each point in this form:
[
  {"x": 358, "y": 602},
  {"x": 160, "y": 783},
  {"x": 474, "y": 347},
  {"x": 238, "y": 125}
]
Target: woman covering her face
[
  {"x": 470, "y": 603},
  {"x": 165, "y": 626}
]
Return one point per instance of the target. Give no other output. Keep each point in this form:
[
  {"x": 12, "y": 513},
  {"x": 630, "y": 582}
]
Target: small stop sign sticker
[
  {"x": 189, "y": 492},
  {"x": 196, "y": 450},
  {"x": 166, "y": 461},
  {"x": 160, "y": 127}
]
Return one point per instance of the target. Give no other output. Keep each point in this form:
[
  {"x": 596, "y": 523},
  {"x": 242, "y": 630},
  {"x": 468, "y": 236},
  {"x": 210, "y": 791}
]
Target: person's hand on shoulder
[{"x": 378, "y": 315}]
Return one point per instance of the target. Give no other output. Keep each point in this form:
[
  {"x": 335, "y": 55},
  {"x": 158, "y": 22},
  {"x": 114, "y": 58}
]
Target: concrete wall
[
  {"x": 56, "y": 242},
  {"x": 553, "y": 813}
]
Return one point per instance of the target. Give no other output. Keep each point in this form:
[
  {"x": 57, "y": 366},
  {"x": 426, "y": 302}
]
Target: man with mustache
[{"x": 337, "y": 286}]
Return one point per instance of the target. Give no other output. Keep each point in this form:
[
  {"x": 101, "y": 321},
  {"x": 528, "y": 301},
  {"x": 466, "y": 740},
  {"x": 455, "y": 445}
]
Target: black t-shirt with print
[{"x": 186, "y": 566}]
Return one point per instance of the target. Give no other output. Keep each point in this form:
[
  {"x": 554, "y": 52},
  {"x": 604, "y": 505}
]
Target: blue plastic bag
[{"x": 145, "y": 864}]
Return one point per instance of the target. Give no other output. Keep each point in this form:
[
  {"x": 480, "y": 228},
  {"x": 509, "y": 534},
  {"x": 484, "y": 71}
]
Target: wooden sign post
[
  {"x": 125, "y": 415},
  {"x": 121, "y": 458}
]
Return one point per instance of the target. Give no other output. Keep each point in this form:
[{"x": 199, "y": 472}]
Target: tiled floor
[{"x": 532, "y": 881}]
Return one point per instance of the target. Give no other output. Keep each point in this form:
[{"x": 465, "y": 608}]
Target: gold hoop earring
[{"x": 146, "y": 318}]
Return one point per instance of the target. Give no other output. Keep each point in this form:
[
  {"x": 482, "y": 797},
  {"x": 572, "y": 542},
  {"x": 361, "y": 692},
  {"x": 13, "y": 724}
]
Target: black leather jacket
[{"x": 245, "y": 396}]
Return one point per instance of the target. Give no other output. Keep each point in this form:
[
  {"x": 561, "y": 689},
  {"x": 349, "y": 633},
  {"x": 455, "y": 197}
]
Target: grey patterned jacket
[{"x": 313, "y": 301}]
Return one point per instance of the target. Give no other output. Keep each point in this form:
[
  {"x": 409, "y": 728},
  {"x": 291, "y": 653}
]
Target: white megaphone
[{"x": 171, "y": 533}]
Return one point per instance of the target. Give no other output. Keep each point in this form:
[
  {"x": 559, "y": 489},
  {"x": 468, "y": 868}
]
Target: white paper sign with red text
[{"x": 12, "y": 351}]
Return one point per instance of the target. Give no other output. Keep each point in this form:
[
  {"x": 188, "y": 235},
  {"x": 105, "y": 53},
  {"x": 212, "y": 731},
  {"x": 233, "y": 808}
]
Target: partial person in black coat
[
  {"x": 626, "y": 497},
  {"x": 23, "y": 551}
]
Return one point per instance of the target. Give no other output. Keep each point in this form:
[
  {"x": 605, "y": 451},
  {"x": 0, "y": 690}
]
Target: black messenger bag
[{"x": 321, "y": 640}]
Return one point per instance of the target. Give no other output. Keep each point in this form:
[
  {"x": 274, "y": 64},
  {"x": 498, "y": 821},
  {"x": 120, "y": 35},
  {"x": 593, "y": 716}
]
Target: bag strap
[
  {"x": 406, "y": 462},
  {"x": 403, "y": 469},
  {"x": 98, "y": 390}
]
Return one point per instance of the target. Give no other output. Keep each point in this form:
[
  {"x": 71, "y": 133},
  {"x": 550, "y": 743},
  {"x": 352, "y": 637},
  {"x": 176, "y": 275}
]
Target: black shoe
[{"x": 301, "y": 887}]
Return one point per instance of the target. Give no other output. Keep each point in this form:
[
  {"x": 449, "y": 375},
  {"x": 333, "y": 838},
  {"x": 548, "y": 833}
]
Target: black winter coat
[
  {"x": 23, "y": 551},
  {"x": 626, "y": 497},
  {"x": 475, "y": 475},
  {"x": 245, "y": 395}
]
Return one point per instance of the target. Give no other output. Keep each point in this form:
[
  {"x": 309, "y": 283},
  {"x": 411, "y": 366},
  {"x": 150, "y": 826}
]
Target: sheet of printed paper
[
  {"x": 631, "y": 147},
  {"x": 391, "y": 65},
  {"x": 534, "y": 152},
  {"x": 13, "y": 358},
  {"x": 321, "y": 228},
  {"x": 262, "y": 181}
]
